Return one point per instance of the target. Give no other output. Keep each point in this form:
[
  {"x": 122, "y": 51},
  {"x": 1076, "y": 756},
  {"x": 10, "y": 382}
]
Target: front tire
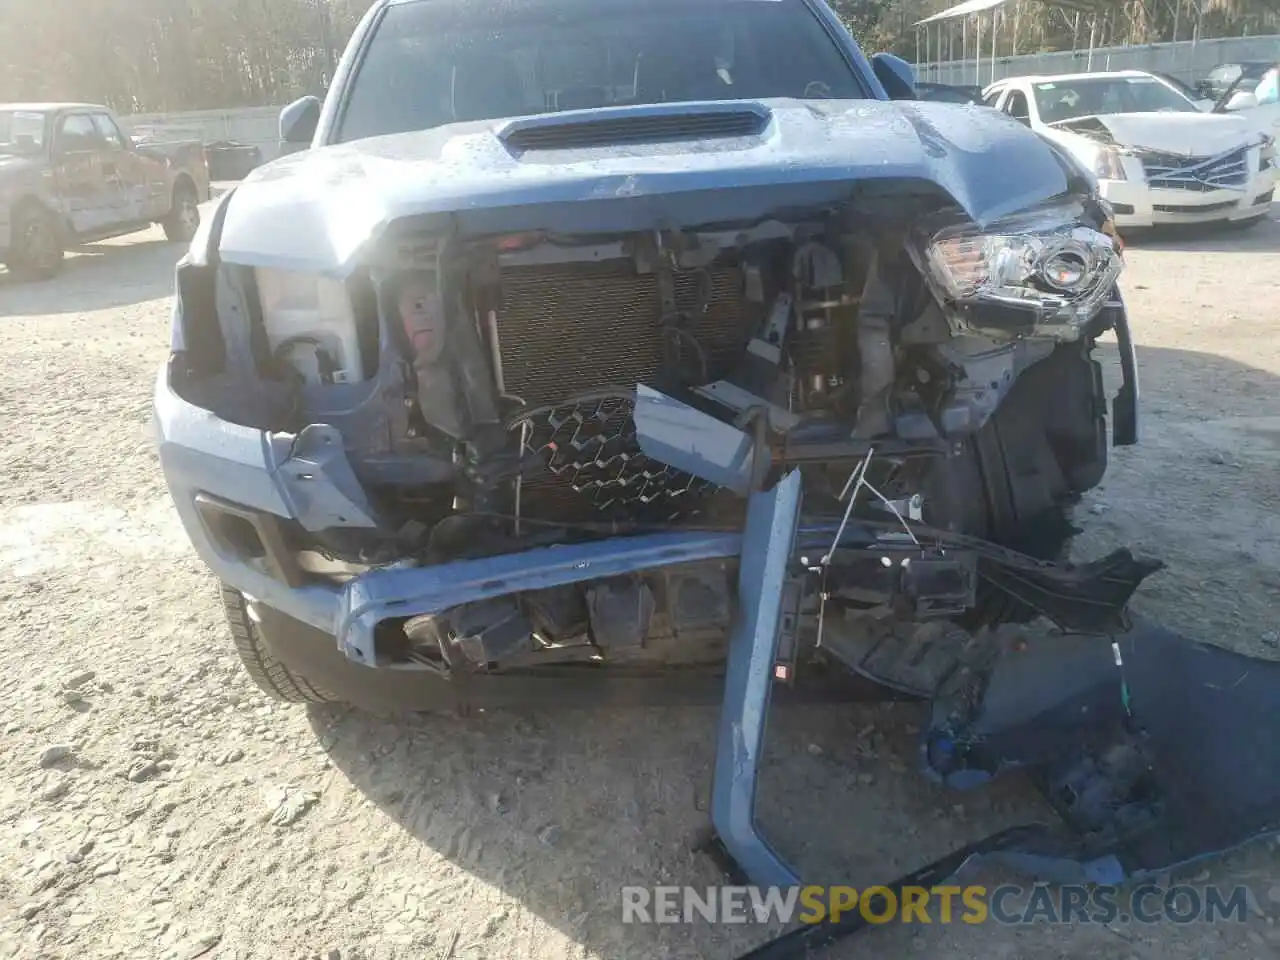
[
  {"x": 269, "y": 675},
  {"x": 183, "y": 220},
  {"x": 36, "y": 252}
]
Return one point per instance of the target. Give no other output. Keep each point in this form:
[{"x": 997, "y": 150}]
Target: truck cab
[{"x": 70, "y": 174}]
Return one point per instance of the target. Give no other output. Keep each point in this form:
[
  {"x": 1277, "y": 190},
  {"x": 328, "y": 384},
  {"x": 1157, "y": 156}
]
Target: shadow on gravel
[
  {"x": 563, "y": 810},
  {"x": 100, "y": 276}
]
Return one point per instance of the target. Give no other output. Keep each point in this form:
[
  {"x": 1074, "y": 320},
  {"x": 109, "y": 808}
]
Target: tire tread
[{"x": 269, "y": 674}]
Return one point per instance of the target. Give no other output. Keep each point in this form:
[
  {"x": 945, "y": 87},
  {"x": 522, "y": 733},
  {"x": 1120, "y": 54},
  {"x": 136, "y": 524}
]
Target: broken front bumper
[
  {"x": 231, "y": 493},
  {"x": 234, "y": 486}
]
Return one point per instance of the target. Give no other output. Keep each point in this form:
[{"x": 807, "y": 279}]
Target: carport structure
[{"x": 939, "y": 43}]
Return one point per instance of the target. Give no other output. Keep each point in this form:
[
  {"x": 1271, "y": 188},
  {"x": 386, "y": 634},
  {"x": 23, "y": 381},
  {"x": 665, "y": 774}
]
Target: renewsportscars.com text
[{"x": 1007, "y": 904}]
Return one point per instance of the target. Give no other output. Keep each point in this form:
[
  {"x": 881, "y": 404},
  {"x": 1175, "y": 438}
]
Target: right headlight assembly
[{"x": 1045, "y": 273}]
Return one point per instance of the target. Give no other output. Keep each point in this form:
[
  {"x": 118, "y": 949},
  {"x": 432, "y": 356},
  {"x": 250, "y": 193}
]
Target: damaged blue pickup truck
[{"x": 623, "y": 350}]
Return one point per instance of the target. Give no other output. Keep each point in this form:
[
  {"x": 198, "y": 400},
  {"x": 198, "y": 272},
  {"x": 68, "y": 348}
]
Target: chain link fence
[{"x": 1187, "y": 60}]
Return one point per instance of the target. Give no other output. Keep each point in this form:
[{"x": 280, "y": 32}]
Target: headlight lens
[
  {"x": 1108, "y": 165},
  {"x": 1037, "y": 274},
  {"x": 310, "y": 325},
  {"x": 1267, "y": 155}
]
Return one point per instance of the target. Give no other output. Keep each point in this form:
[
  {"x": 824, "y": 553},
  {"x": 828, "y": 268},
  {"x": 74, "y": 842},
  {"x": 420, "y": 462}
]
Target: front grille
[
  {"x": 564, "y": 331},
  {"x": 574, "y": 341},
  {"x": 589, "y": 444},
  {"x": 1197, "y": 174}
]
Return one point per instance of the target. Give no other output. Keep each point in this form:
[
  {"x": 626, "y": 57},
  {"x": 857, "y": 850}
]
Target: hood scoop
[{"x": 615, "y": 126}]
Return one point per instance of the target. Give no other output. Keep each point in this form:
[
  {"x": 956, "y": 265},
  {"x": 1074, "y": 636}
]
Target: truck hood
[
  {"x": 1185, "y": 134},
  {"x": 314, "y": 210}
]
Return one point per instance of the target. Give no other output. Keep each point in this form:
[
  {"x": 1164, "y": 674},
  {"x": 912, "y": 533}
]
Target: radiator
[
  {"x": 568, "y": 330},
  {"x": 564, "y": 332}
]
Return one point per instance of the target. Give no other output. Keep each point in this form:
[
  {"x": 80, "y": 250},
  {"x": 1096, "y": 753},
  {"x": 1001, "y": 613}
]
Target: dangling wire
[
  {"x": 851, "y": 488},
  {"x": 855, "y": 481},
  {"x": 1124, "y": 680},
  {"x": 894, "y": 510}
]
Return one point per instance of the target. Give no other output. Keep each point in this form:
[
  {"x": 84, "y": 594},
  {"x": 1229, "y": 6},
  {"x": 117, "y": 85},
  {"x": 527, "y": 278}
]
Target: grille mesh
[
  {"x": 568, "y": 330},
  {"x": 1197, "y": 174},
  {"x": 590, "y": 444}
]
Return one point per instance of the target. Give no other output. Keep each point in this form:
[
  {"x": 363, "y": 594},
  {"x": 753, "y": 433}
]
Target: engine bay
[
  {"x": 499, "y": 375},
  {"x": 457, "y": 398}
]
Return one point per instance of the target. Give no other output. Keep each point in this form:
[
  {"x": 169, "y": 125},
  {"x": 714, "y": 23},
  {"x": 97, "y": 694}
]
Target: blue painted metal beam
[{"x": 773, "y": 518}]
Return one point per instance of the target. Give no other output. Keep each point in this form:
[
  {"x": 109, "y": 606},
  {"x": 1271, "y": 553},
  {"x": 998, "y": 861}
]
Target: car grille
[
  {"x": 1226, "y": 171},
  {"x": 587, "y": 461},
  {"x": 573, "y": 342},
  {"x": 1194, "y": 208}
]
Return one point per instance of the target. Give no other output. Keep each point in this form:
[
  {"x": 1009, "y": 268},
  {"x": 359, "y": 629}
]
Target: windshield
[
  {"x": 1099, "y": 96},
  {"x": 442, "y": 61},
  {"x": 21, "y": 132}
]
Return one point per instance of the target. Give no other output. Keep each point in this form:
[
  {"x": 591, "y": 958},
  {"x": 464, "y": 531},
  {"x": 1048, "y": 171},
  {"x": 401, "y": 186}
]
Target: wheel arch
[{"x": 31, "y": 200}]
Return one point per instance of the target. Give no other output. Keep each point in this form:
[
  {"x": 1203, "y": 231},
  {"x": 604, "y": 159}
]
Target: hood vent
[{"x": 614, "y": 127}]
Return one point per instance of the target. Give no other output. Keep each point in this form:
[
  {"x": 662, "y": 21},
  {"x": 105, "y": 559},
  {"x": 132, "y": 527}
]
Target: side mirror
[
  {"x": 896, "y": 76},
  {"x": 1242, "y": 100},
  {"x": 298, "y": 122}
]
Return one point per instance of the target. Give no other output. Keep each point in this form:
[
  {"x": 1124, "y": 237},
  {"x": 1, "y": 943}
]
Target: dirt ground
[{"x": 139, "y": 768}]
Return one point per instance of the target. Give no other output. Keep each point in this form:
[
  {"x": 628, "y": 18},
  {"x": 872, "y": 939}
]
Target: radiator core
[{"x": 568, "y": 330}]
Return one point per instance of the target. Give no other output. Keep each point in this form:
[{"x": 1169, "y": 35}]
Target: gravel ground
[{"x": 153, "y": 804}]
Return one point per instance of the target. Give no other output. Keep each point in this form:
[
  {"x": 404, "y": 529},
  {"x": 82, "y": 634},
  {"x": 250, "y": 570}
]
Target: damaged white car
[{"x": 1158, "y": 158}]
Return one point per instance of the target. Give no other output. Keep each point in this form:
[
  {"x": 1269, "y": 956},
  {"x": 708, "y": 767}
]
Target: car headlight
[
  {"x": 310, "y": 325},
  {"x": 1267, "y": 155},
  {"x": 1039, "y": 274},
  {"x": 1108, "y": 165}
]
